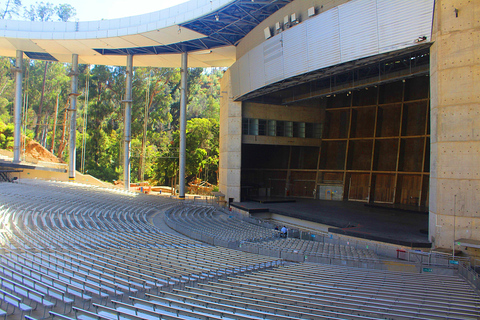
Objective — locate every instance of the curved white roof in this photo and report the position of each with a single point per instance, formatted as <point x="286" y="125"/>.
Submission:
<point x="160" y="28"/>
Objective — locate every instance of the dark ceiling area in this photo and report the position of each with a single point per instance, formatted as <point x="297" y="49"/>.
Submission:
<point x="223" y="27"/>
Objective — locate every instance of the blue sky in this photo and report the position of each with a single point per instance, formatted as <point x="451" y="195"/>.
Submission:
<point x="88" y="10"/>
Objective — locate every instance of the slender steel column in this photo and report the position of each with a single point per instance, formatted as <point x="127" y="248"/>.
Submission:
<point x="183" y="124"/>
<point x="127" y="122"/>
<point x="17" y="112"/>
<point x="73" y="119"/>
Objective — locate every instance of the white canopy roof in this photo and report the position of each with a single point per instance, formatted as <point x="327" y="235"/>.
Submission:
<point x="164" y="27"/>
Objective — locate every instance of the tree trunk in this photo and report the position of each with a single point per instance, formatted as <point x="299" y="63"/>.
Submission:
<point x="141" y="171"/>
<point x="61" y="147"/>
<point x="54" y="126"/>
<point x="39" y="116"/>
<point x="44" y="131"/>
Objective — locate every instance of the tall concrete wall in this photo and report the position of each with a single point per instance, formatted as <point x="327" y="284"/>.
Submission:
<point x="455" y="123"/>
<point x="230" y="140"/>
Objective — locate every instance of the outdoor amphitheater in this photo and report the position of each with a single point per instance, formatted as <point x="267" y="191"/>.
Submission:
<point x="73" y="251"/>
<point x="352" y="124"/>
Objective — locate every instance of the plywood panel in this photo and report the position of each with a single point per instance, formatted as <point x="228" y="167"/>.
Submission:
<point x="336" y="124"/>
<point x="411" y="155"/>
<point x="384" y="187"/>
<point x="358" y="186"/>
<point x="385" y="158"/>
<point x="331" y="177"/>
<point x="363" y="123"/>
<point x="414" y="118"/>
<point x="302" y="184"/>
<point x="332" y="156"/>
<point x="409" y="187"/>
<point x="359" y="155"/>
<point x="388" y="120"/>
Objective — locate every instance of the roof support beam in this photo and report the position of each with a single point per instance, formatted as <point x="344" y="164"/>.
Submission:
<point x="73" y="118"/>
<point x="183" y="124"/>
<point x="127" y="134"/>
<point x="18" y="106"/>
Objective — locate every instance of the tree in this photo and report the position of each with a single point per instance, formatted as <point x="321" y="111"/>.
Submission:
<point x="65" y="12"/>
<point x="40" y="108"/>
<point x="151" y="87"/>
<point x="201" y="152"/>
<point x="7" y="84"/>
<point x="44" y="105"/>
<point x="155" y="139"/>
<point x="39" y="11"/>
<point x="12" y="8"/>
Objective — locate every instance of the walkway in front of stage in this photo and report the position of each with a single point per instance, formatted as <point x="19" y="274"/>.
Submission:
<point x="398" y="226"/>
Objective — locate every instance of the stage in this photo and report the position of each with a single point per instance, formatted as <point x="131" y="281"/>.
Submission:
<point x="380" y="223"/>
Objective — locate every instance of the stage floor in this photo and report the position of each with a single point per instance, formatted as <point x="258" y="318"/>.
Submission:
<point x="391" y="225"/>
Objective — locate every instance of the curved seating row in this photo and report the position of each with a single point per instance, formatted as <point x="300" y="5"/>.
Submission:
<point x="205" y="220"/>
<point x="67" y="247"/>
<point x="73" y="252"/>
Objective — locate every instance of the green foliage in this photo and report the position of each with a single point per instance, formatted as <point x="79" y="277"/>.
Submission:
<point x="6" y="89"/>
<point x="11" y="9"/>
<point x="45" y="11"/>
<point x="65" y="12"/>
<point x="201" y="152"/>
<point x="155" y="115"/>
<point x="6" y="135"/>
<point x="205" y="94"/>
<point x="40" y="11"/>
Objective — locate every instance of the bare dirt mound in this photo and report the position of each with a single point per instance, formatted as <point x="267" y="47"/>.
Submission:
<point x="36" y="151"/>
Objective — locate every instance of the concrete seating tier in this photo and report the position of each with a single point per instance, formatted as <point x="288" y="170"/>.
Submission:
<point x="73" y="252"/>
<point x="308" y="291"/>
<point x="205" y="221"/>
<point x="69" y="250"/>
<point x="208" y="221"/>
<point x="312" y="249"/>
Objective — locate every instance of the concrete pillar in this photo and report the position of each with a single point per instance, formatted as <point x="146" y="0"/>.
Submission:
<point x="230" y="140"/>
<point x="127" y="122"/>
<point x="73" y="118"/>
<point x="183" y="124"/>
<point x="455" y="123"/>
<point x="17" y="112"/>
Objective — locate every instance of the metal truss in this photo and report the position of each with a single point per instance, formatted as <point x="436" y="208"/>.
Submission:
<point x="223" y="27"/>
